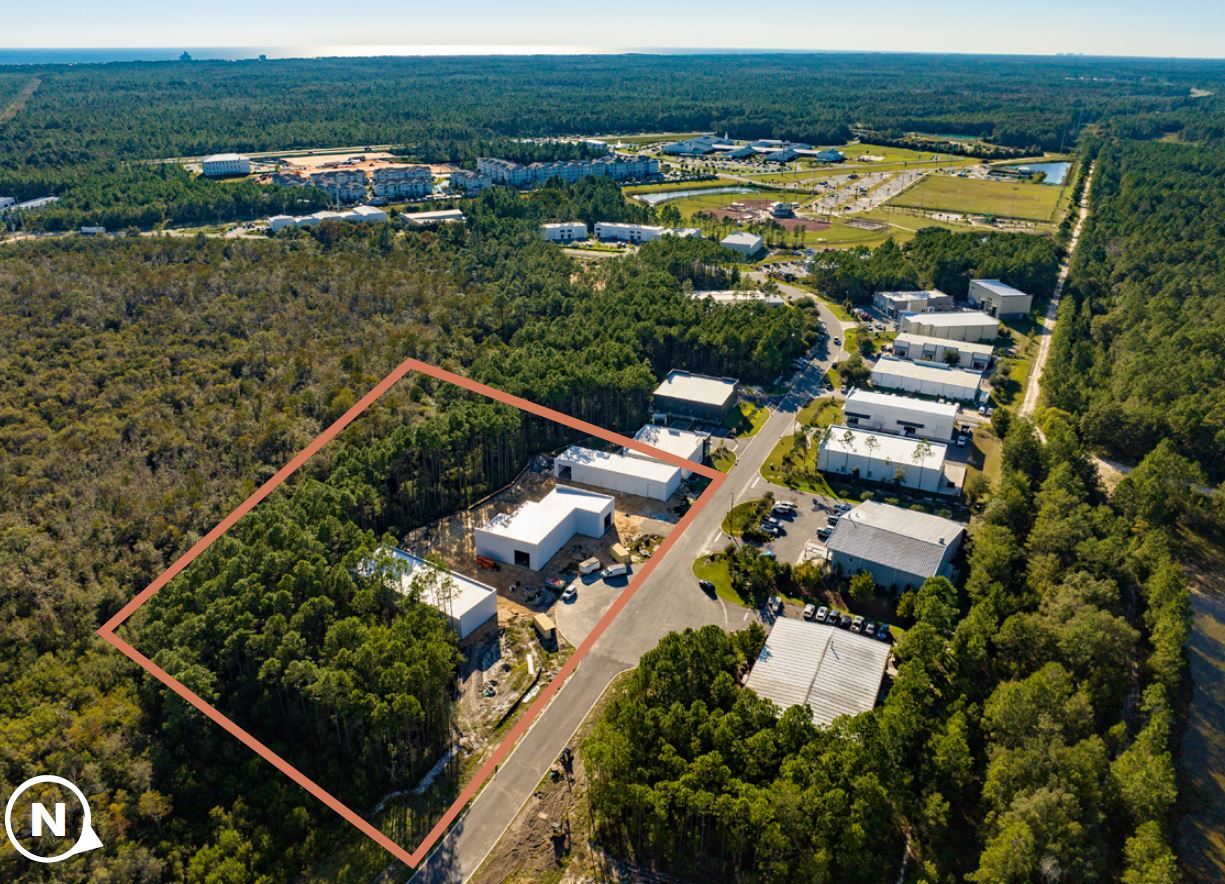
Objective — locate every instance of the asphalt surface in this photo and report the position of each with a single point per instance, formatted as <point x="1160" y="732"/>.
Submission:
<point x="669" y="600"/>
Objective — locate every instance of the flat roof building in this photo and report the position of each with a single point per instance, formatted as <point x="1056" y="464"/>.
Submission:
<point x="896" y="304"/>
<point x="926" y="378"/>
<point x="900" y="415"/>
<point x="698" y="396"/>
<point x="750" y="245"/>
<point x="440" y="216"/>
<point x="642" y="476"/>
<point x="900" y="548"/>
<point x="683" y="443"/>
<point x="219" y="165"/>
<point x="999" y="298"/>
<point x="885" y="458"/>
<point x="961" y="325"/>
<point x="831" y="671"/>
<point x="533" y="534"/>
<point x="739" y="296"/>
<point x="467" y="603"/>
<point x="564" y="231"/>
<point x="927" y="349"/>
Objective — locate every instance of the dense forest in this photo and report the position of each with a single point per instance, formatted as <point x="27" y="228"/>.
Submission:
<point x="1026" y="735"/>
<point x="150" y="383"/>
<point x="1138" y="349"/>
<point x="85" y="131"/>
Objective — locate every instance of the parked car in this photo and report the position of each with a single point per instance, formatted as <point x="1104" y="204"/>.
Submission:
<point x="769" y="520"/>
<point x="832" y="521"/>
<point x="810" y="612"/>
<point x="824" y="533"/>
<point x="707" y="587"/>
<point x="882" y="632"/>
<point x="856" y="624"/>
<point x="842" y="508"/>
<point x="869" y="628"/>
<point x="569" y="594"/>
<point x="844" y="621"/>
<point x="962" y="440"/>
<point x="832" y="617"/>
<point x="774" y="605"/>
<point x="822" y="612"/>
<point x="772" y="528"/>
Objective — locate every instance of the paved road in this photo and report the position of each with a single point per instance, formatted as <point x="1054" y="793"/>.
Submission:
<point x="669" y="600"/>
<point x="1032" y="387"/>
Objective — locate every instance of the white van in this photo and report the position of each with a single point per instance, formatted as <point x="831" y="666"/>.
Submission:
<point x="618" y="570"/>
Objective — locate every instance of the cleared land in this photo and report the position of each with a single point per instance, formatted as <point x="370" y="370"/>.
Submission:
<point x="977" y="196"/>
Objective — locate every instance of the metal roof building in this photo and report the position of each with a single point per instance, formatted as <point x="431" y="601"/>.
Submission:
<point x="999" y="298"/>
<point x="926" y="378"/>
<point x="695" y="395"/>
<point x="831" y="671"/>
<point x="746" y="244"/>
<point x="929" y="349"/>
<point x="898" y="547"/>
<point x="682" y="443"/>
<point x="642" y="476"/>
<point x="533" y="534"/>
<point x="960" y="325"/>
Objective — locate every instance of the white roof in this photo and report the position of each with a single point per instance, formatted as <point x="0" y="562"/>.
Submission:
<point x="465" y="593"/>
<point x="1000" y="288"/>
<point x="742" y="239"/>
<point x="915" y="295"/>
<point x="914" y="524"/>
<point x="640" y="467"/>
<point x="558" y="225"/>
<point x="869" y="398"/>
<point x="955" y="318"/>
<point x="960" y="346"/>
<point x="682" y="443"/>
<point x="831" y="671"/>
<point x="735" y="296"/>
<point x="223" y="158"/>
<point x="533" y="521"/>
<point x="897" y="449"/>
<point x="367" y="212"/>
<point x="697" y="387"/>
<point x="440" y="215"/>
<point x="891" y="366"/>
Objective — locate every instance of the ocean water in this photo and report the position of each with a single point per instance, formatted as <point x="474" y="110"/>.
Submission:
<point x="101" y="56"/>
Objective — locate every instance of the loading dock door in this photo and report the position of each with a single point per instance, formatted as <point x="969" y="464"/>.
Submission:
<point x="523" y="559"/>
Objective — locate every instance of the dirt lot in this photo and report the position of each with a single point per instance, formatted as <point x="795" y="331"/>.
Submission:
<point x="759" y="210"/>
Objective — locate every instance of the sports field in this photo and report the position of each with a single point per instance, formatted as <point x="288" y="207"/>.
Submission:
<point x="977" y="196"/>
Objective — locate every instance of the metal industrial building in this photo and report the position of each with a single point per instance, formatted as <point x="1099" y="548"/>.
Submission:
<point x="922" y="348"/>
<point x="617" y="231"/>
<point x="468" y="604"/>
<point x="895" y="305"/>
<point x="831" y="671"/>
<point x="900" y="548"/>
<point x="999" y="298"/>
<point x="900" y="415"/>
<point x="619" y="472"/>
<point x="961" y="325"/>
<point x="533" y="534"/>
<point x="564" y="231"/>
<point x="926" y="378"/>
<point x="883" y="457"/>
<point x="695" y="396"/>
<point x="683" y="443"/>
<point x="750" y="245"/>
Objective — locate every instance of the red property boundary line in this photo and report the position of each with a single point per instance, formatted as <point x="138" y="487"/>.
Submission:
<point x="107" y="631"/>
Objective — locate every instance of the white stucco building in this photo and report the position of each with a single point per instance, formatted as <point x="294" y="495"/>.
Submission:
<point x="618" y="472"/>
<point x="882" y="457"/>
<point x="683" y="443"/>
<point x="220" y="165"/>
<point x="564" y="231"/>
<point x="926" y="378"/>
<point x="900" y="415"/>
<point x="533" y="534"/>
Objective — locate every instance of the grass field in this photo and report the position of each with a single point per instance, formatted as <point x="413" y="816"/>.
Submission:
<point x="976" y="196"/>
<point x="747" y="419"/>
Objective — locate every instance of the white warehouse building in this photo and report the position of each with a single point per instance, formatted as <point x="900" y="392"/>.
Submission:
<point x="961" y="325"/>
<point x="637" y="233"/>
<point x="750" y="245"/>
<point x="922" y="348"/>
<point x="926" y="378"/>
<point x="885" y="458"/>
<point x="618" y="472"/>
<point x="219" y="165"/>
<point x="533" y="534"/>
<point x="900" y="415"/>
<point x="999" y="298"/>
<point x="683" y="443"/>
<point x="467" y="603"/>
<point x="564" y="231"/>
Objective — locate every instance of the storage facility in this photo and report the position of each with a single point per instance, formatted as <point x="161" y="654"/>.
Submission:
<point x="922" y="348"/>
<point x="999" y="298"/>
<point x="468" y="604"/>
<point x="221" y="165"/>
<point x="883" y="457"/>
<point x="831" y="671"/>
<point x="533" y="534"/>
<point x="619" y="472"/>
<point x="750" y="245"/>
<point x="683" y="443"/>
<point x="438" y="216"/>
<point x="895" y="305"/>
<point x="926" y="378"/>
<point x="900" y="548"/>
<point x="699" y="396"/>
<point x="961" y="325"/>
<point x="900" y="415"/>
<point x="564" y="231"/>
<point x="616" y="231"/>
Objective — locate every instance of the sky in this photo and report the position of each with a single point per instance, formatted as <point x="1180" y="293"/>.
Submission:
<point x="1182" y="28"/>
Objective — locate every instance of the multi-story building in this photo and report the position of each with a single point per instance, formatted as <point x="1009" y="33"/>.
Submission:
<point x="220" y="165"/>
<point x="895" y="305"/>
<point x="900" y="415"/>
<point x="564" y="231"/>
<point x="469" y="181"/>
<point x="403" y="182"/>
<point x="618" y="168"/>
<point x="342" y="185"/>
